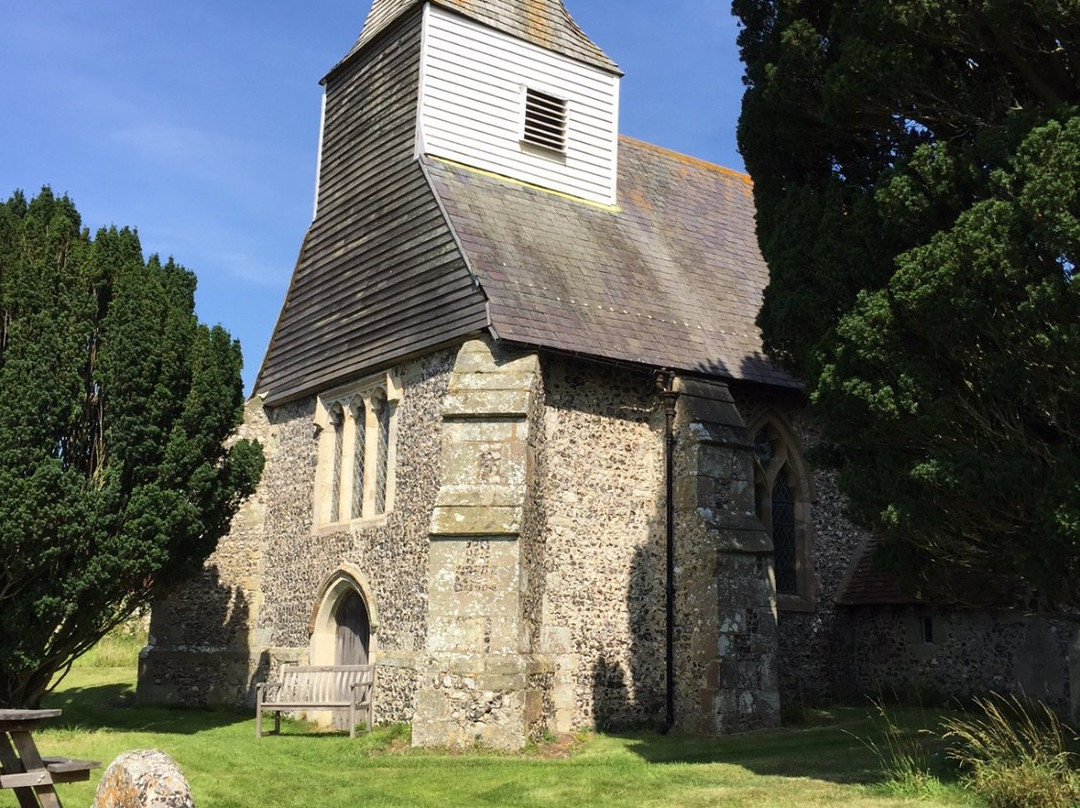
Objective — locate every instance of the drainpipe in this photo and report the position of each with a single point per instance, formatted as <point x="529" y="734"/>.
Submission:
<point x="665" y="382"/>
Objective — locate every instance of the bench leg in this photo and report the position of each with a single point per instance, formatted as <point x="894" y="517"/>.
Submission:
<point x="277" y="722"/>
<point x="352" y="719"/>
<point x="10" y="764"/>
<point x="258" y="721"/>
<point x="30" y="759"/>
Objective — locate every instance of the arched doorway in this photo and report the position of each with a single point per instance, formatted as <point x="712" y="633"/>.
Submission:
<point x="344" y="626"/>
<point x="352" y="632"/>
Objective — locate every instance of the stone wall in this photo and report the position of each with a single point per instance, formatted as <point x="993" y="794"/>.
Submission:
<point x="203" y="645"/>
<point x="726" y="629"/>
<point x="600" y="483"/>
<point x="254" y="603"/>
<point x="844" y="654"/>
<point x="479" y="678"/>
<point x="808" y="639"/>
<point x="895" y="652"/>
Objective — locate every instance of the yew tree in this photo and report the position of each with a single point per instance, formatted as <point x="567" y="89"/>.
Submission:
<point x="116" y="405"/>
<point x="916" y="166"/>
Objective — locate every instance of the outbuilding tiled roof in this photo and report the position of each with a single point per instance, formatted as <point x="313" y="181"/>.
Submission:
<point x="543" y="22"/>
<point x="672" y="277"/>
<point x="868" y="585"/>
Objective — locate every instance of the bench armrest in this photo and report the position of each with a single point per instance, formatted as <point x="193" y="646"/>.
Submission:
<point x="265" y="690"/>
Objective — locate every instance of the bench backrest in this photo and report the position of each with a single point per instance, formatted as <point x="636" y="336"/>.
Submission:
<point x="322" y="683"/>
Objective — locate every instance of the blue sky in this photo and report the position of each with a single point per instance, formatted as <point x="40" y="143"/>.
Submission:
<point x="197" y="121"/>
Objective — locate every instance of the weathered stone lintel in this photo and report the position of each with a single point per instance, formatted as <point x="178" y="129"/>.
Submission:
<point x="512" y="664"/>
<point x="747" y="539"/>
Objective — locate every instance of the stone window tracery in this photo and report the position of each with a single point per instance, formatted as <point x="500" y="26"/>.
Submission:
<point x="354" y="475"/>
<point x="782" y="502"/>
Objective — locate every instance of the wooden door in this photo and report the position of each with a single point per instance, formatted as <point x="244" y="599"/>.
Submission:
<point x="351" y="641"/>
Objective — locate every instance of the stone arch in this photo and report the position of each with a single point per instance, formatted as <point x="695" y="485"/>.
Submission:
<point x="336" y="588"/>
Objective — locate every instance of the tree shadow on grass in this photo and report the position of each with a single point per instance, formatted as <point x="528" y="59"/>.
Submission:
<point x="112" y="706"/>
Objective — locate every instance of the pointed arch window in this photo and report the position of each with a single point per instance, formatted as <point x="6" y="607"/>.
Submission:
<point x="782" y="501"/>
<point x="354" y="477"/>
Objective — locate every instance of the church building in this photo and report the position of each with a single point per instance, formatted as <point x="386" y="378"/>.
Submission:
<point x="524" y="451"/>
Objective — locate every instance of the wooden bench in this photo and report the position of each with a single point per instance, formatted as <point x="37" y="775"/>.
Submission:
<point x="317" y="687"/>
<point x="57" y="770"/>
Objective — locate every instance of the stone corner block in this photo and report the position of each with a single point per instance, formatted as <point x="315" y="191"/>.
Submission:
<point x="463" y="520"/>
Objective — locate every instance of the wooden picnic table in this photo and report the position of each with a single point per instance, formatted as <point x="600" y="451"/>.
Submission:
<point x="22" y="767"/>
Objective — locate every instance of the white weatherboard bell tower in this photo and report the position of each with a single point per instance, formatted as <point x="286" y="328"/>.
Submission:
<point x="495" y="102"/>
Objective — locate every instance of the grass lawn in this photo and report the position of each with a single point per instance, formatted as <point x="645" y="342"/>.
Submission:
<point x="821" y="764"/>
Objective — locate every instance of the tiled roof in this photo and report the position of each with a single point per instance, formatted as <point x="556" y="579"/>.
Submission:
<point x="868" y="585"/>
<point x="671" y="278"/>
<point x="543" y="22"/>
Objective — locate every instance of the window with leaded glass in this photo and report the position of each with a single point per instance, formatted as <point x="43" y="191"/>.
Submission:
<point x="354" y="472"/>
<point x="783" y="536"/>
<point x="359" y="413"/>
<point x="337" y="423"/>
<point x="781" y="503"/>
<point x="382" y="415"/>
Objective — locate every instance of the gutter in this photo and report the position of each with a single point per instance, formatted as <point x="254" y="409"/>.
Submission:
<point x="665" y="380"/>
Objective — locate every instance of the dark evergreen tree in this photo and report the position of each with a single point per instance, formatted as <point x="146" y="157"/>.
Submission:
<point x="917" y="176"/>
<point x="115" y="405"/>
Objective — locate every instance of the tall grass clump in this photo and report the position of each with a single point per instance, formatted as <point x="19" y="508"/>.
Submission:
<point x="903" y="753"/>
<point x="117" y="649"/>
<point x="1014" y="754"/>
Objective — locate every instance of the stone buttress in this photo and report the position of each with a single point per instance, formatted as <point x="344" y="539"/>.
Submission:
<point x="726" y="630"/>
<point x="479" y="682"/>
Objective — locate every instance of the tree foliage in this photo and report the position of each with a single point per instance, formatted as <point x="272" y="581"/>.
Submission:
<point x="917" y="176"/>
<point x="115" y="405"/>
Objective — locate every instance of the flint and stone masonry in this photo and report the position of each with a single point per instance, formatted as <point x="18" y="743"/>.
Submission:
<point x="517" y="585"/>
<point x="480" y="681"/>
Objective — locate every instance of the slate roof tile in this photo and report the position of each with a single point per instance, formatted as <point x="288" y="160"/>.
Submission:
<point x="672" y="277"/>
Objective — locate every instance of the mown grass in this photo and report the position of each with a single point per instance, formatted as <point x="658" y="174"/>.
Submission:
<point x="823" y="763"/>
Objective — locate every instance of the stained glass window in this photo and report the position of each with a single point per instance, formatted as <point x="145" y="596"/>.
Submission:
<point x="778" y="492"/>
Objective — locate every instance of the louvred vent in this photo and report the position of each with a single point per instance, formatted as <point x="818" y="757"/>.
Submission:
<point x="545" y="120"/>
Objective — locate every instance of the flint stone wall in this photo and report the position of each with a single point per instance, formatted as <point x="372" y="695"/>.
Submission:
<point x="599" y="484"/>
<point x="203" y="646"/>
<point x="884" y="653"/>
<point x="255" y="600"/>
<point x="808" y="658"/>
